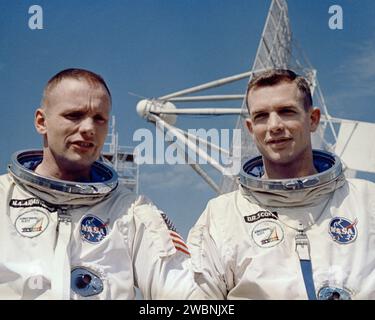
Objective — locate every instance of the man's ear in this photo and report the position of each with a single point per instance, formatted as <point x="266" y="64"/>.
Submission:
<point x="314" y="119"/>
<point x="249" y="125"/>
<point x="40" y="121"/>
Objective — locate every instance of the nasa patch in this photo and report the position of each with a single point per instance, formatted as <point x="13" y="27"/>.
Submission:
<point x="32" y="223"/>
<point x="85" y="283"/>
<point x="342" y="230"/>
<point x="93" y="229"/>
<point x="267" y="234"/>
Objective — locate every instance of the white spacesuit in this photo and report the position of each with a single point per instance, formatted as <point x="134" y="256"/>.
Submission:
<point x="94" y="240"/>
<point x="312" y="237"/>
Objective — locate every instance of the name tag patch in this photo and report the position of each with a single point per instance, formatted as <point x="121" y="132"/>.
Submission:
<point x="260" y="215"/>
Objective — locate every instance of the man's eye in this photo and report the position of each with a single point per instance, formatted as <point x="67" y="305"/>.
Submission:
<point x="287" y="111"/>
<point x="259" y="116"/>
<point x="73" y="115"/>
<point x="100" y="119"/>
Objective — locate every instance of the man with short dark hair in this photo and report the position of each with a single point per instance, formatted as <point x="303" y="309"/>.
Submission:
<point x="296" y="228"/>
<point x="68" y="228"/>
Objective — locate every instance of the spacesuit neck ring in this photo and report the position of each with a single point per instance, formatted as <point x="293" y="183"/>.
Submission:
<point x="20" y="169"/>
<point x="329" y="167"/>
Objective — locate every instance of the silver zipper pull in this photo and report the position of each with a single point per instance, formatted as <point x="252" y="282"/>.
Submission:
<point x="302" y="244"/>
<point x="63" y="215"/>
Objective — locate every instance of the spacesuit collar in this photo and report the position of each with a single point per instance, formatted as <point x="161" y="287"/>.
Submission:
<point x="55" y="191"/>
<point x="292" y="192"/>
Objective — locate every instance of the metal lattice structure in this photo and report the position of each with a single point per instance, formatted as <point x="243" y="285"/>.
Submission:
<point x="122" y="159"/>
<point x="276" y="49"/>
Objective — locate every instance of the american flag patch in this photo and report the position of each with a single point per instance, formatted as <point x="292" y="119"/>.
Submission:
<point x="177" y="240"/>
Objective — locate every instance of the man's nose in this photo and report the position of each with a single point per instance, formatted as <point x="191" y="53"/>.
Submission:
<point x="87" y="127"/>
<point x="275" y="123"/>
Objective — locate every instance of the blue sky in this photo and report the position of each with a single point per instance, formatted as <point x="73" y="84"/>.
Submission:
<point x="154" y="47"/>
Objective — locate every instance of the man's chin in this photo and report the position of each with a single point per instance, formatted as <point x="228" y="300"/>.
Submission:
<point x="79" y="162"/>
<point x="280" y="158"/>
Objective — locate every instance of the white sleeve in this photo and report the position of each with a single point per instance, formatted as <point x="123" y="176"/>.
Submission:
<point x="161" y="260"/>
<point x="206" y="259"/>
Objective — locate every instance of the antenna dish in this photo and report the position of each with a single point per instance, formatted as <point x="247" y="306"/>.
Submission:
<point x="276" y="49"/>
<point x="146" y="107"/>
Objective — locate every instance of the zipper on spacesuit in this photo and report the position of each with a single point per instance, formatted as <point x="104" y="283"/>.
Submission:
<point x="303" y="251"/>
<point x="63" y="215"/>
<point x="302" y="244"/>
<point x="60" y="283"/>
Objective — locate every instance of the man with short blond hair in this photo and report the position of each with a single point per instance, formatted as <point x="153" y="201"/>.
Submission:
<point x="70" y="230"/>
